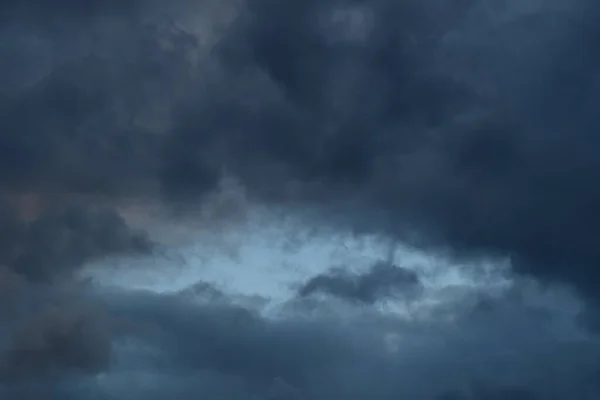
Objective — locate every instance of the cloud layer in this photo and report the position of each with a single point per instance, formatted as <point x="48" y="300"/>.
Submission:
<point x="465" y="129"/>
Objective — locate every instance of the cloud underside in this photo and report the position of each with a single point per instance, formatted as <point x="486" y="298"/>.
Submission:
<point x="461" y="128"/>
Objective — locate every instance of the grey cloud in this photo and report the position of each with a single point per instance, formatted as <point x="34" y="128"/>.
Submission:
<point x="61" y="239"/>
<point x="55" y="340"/>
<point x="425" y="121"/>
<point x="382" y="280"/>
<point x="427" y="152"/>
<point x="190" y="349"/>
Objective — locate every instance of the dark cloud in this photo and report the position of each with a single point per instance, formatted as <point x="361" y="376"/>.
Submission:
<point x="457" y="126"/>
<point x="313" y="68"/>
<point x="496" y="155"/>
<point x="190" y="349"/>
<point x="61" y="11"/>
<point x="511" y="180"/>
<point x="58" y="340"/>
<point x="62" y="239"/>
<point x="383" y="280"/>
<point x="491" y="394"/>
<point x="81" y="126"/>
<point x="10" y="283"/>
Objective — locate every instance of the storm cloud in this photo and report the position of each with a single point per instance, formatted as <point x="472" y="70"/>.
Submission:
<point x="58" y="241"/>
<point x="56" y="339"/>
<point x="381" y="281"/>
<point x="463" y="129"/>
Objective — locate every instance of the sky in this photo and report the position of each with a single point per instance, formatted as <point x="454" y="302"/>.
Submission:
<point x="300" y="200"/>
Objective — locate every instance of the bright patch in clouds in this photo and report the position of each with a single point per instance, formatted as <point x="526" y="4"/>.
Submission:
<point x="267" y="257"/>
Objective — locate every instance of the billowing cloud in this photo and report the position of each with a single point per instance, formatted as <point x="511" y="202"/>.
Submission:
<point x="60" y="240"/>
<point x="381" y="281"/>
<point x="213" y="349"/>
<point x="464" y="129"/>
<point x="58" y="339"/>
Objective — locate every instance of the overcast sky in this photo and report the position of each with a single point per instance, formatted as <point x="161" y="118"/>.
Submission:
<point x="299" y="200"/>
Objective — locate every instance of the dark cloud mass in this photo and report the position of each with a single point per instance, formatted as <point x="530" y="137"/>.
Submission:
<point x="60" y="240"/>
<point x="382" y="280"/>
<point x="460" y="127"/>
<point x="56" y="339"/>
